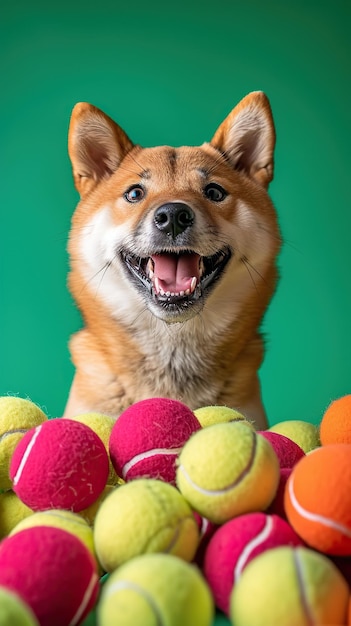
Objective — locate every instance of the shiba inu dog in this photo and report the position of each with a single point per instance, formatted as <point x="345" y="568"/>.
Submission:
<point x="173" y="263"/>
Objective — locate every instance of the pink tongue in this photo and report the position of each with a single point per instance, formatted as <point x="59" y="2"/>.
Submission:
<point x="175" y="271"/>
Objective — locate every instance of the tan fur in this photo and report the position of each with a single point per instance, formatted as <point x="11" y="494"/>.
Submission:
<point x="131" y="347"/>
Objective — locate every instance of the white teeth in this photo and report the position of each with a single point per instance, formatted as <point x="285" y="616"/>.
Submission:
<point x="151" y="274"/>
<point x="150" y="268"/>
<point x="171" y="294"/>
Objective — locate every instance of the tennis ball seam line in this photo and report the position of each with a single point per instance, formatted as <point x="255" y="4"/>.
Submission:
<point x="85" y="600"/>
<point x="146" y="455"/>
<point x="14" y="431"/>
<point x="239" y="478"/>
<point x="26" y="454"/>
<point x="61" y="514"/>
<point x="250" y="546"/>
<point x="299" y="574"/>
<point x="315" y="517"/>
<point x="123" y="585"/>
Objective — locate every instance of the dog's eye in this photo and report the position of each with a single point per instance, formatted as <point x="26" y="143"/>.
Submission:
<point x="215" y="192"/>
<point x="135" y="193"/>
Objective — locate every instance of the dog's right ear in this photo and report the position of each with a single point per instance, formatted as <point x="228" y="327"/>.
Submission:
<point x="96" y="146"/>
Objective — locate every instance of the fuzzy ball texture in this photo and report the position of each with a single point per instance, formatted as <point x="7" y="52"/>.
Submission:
<point x="144" y="515"/>
<point x="59" y="518"/>
<point x="215" y="414"/>
<point x="289" y="586"/>
<point x="89" y="514"/>
<point x="226" y="470"/>
<point x="156" y="589"/>
<point x="235" y="544"/>
<point x="277" y="506"/>
<point x="305" y="434"/>
<point x="102" y="425"/>
<point x="12" y="511"/>
<point x="207" y="530"/>
<point x="52" y="571"/>
<point x="335" y="426"/>
<point x="318" y="499"/>
<point x="61" y="464"/>
<point x="287" y="451"/>
<point x="17" y="416"/>
<point x="148" y="437"/>
<point x="14" y="612"/>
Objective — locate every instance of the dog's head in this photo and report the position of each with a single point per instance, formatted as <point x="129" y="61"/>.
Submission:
<point x="165" y="228"/>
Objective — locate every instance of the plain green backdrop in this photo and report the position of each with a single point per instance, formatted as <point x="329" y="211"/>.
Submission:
<point x="169" y="74"/>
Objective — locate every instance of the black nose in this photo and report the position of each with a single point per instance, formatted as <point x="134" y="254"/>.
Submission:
<point x="174" y="218"/>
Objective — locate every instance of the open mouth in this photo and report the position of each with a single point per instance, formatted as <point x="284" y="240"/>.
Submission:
<point x="177" y="278"/>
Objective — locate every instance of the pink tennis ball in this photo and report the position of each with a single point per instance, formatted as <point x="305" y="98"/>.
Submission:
<point x="148" y="436"/>
<point x="277" y="506"/>
<point x="235" y="544"/>
<point x="207" y="530"/>
<point x="52" y="571"/>
<point x="287" y="451"/>
<point x="61" y="464"/>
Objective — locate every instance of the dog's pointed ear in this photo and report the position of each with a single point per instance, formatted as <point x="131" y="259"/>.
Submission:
<point x="96" y="146"/>
<point x="247" y="138"/>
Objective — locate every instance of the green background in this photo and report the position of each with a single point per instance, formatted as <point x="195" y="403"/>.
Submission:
<point x="169" y="74"/>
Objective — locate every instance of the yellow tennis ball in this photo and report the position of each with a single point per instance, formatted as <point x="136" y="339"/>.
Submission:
<point x="305" y="434"/>
<point x="144" y="515"/>
<point x="226" y="470"/>
<point x="90" y="513"/>
<point x="12" y="511"/>
<point x="156" y="589"/>
<point x="17" y="415"/>
<point x="209" y="415"/>
<point x="291" y="587"/>
<point x="59" y="518"/>
<point x="102" y="425"/>
<point x="13" y="611"/>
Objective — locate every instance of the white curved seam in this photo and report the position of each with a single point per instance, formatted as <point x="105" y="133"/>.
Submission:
<point x="27" y="452"/>
<point x="250" y="546"/>
<point x="85" y="601"/>
<point x="315" y="517"/>
<point x="122" y="585"/>
<point x="206" y="492"/>
<point x="147" y="455"/>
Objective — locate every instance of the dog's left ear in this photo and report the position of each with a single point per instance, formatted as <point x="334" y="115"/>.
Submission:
<point x="247" y="138"/>
<point x="96" y="146"/>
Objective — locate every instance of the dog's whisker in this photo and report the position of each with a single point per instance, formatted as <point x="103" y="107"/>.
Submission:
<point x="249" y="268"/>
<point x="103" y="269"/>
<point x="143" y="169"/>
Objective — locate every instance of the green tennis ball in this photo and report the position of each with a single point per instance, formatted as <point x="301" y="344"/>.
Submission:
<point x="289" y="586"/>
<point x="209" y="415"/>
<point x="12" y="511"/>
<point x="13" y="611"/>
<point x="102" y="425"/>
<point x="227" y="470"/>
<point x="305" y="434"/>
<point x="142" y="516"/>
<point x="156" y="589"/>
<point x="17" y="415"/>
<point x="59" y="518"/>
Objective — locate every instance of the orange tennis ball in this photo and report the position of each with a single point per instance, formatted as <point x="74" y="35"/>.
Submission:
<point x="317" y="499"/>
<point x="335" y="426"/>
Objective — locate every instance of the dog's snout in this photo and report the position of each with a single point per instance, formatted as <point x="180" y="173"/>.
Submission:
<point x="174" y="218"/>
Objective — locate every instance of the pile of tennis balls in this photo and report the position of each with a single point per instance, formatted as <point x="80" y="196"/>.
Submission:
<point x="172" y="516"/>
